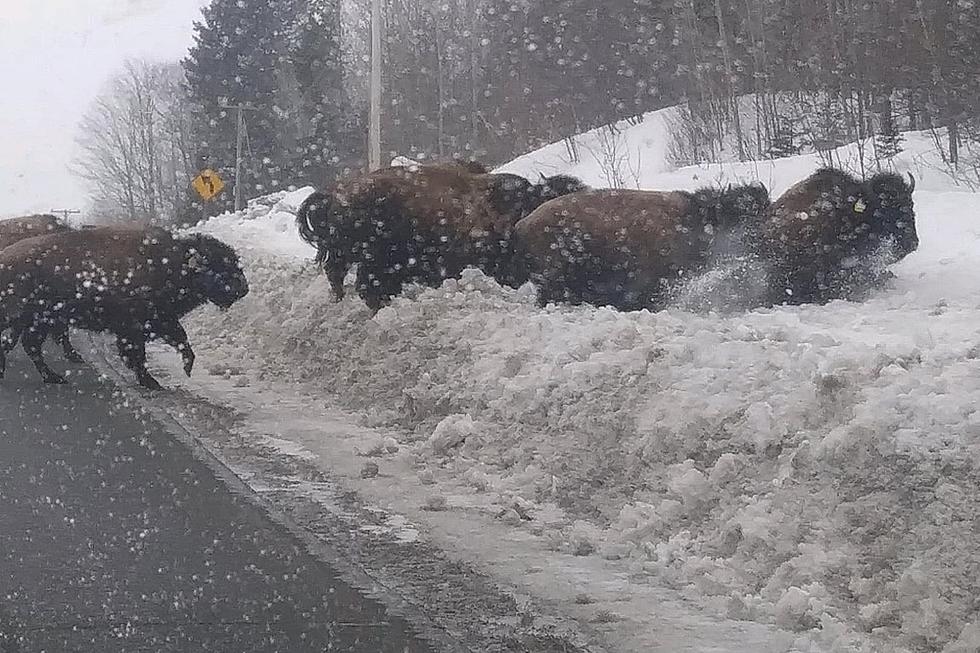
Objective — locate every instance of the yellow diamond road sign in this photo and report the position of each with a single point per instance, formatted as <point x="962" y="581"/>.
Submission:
<point x="208" y="184"/>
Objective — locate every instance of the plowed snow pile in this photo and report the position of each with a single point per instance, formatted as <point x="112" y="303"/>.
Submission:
<point x="813" y="467"/>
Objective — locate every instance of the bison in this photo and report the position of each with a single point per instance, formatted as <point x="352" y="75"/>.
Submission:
<point x="469" y="165"/>
<point x="421" y="224"/>
<point x="629" y="248"/>
<point x="16" y="229"/>
<point x="831" y="236"/>
<point x="134" y="282"/>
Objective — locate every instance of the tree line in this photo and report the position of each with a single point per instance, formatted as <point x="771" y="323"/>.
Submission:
<point x="492" y="79"/>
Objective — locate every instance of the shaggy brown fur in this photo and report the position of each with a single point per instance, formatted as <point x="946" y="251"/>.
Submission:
<point x="419" y="223"/>
<point x="627" y="248"/>
<point x="831" y="235"/>
<point x="134" y="282"/>
<point x="15" y="229"/>
<point x="474" y="167"/>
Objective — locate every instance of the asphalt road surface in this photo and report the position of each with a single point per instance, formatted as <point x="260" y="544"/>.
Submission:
<point x="113" y="537"/>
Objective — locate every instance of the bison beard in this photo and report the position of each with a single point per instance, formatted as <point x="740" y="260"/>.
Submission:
<point x="831" y="236"/>
<point x="135" y="283"/>
<point x="627" y="248"/>
<point x="421" y="224"/>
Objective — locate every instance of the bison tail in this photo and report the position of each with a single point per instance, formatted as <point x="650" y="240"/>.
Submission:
<point x="312" y="218"/>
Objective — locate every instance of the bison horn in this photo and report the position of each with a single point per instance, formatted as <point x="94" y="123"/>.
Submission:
<point x="911" y="181"/>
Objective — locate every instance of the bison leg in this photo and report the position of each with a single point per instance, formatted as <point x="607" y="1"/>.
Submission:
<point x="172" y="333"/>
<point x="545" y="295"/>
<point x="9" y="339"/>
<point x="61" y="335"/>
<point x="132" y="349"/>
<point x="546" y="290"/>
<point x="32" y="340"/>
<point x="377" y="288"/>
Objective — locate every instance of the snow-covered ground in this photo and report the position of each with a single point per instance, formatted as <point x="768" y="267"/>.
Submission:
<point x="812" y="469"/>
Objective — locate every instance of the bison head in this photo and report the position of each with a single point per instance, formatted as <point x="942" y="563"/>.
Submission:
<point x="215" y="270"/>
<point x="747" y="202"/>
<point x="549" y="188"/>
<point x="472" y="166"/>
<point x="516" y="197"/>
<point x="511" y="195"/>
<point x="732" y="208"/>
<point x="887" y="216"/>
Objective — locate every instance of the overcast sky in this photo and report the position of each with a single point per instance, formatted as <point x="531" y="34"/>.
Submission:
<point x="55" y="55"/>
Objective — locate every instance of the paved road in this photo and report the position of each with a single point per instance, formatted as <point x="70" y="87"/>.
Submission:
<point x="114" y="538"/>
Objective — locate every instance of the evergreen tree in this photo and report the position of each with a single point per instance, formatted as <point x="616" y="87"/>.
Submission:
<point x="888" y="139"/>
<point x="328" y="134"/>
<point x="237" y="59"/>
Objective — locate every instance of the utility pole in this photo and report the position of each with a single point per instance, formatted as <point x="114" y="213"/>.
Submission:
<point x="65" y="213"/>
<point x="374" y="123"/>
<point x="239" y="137"/>
<point x="240" y="110"/>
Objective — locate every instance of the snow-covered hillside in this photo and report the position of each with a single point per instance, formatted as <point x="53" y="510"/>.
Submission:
<point x="812" y="467"/>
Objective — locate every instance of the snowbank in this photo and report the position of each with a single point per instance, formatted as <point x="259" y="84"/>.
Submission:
<point x="811" y="467"/>
<point x="637" y="153"/>
<point x="266" y="227"/>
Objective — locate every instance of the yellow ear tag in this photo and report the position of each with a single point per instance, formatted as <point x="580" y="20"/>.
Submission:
<point x="860" y="206"/>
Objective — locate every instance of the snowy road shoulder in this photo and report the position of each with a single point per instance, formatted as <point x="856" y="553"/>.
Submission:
<point x="555" y="592"/>
<point x="374" y="549"/>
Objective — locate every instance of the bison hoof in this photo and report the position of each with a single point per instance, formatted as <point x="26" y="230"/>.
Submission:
<point x="374" y="304"/>
<point x="150" y="383"/>
<point x="74" y="357"/>
<point x="54" y="378"/>
<point x="188" y="366"/>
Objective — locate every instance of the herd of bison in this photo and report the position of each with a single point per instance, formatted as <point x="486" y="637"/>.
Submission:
<point x="831" y="236"/>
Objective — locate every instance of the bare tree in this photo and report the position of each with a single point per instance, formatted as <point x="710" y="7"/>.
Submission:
<point x="135" y="145"/>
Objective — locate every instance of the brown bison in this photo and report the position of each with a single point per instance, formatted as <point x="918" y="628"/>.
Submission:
<point x="629" y="248"/>
<point x="469" y="165"/>
<point x="473" y="166"/>
<point x="134" y="282"/>
<point x="16" y="229"/>
<point x="831" y="236"/>
<point x="420" y="224"/>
